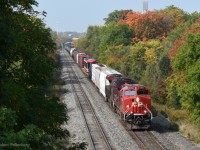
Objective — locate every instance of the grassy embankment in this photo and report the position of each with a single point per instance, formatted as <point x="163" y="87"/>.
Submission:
<point x="179" y="121"/>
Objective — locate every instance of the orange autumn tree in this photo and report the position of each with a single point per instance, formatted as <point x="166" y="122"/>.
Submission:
<point x="131" y="18"/>
<point x="193" y="29"/>
<point x="149" y="25"/>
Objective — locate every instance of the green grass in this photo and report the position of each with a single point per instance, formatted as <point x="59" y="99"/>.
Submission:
<point x="179" y="121"/>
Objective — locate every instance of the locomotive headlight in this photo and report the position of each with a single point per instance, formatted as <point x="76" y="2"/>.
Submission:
<point x="127" y="106"/>
<point x="137" y="99"/>
<point x="145" y="111"/>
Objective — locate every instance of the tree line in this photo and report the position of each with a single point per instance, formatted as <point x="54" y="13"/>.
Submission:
<point x="159" y="49"/>
<point x="30" y="118"/>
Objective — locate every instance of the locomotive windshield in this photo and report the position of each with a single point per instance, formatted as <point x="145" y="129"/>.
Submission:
<point x="142" y="92"/>
<point x="129" y="93"/>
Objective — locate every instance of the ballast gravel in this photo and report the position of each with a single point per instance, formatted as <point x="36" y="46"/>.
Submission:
<point x="118" y="137"/>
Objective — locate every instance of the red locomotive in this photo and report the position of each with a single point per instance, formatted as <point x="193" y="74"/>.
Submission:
<point x="131" y="100"/>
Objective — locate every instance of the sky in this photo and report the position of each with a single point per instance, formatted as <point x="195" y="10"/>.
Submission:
<point x="77" y="15"/>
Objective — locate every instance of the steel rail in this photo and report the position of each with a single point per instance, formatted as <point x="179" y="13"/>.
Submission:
<point x="148" y="140"/>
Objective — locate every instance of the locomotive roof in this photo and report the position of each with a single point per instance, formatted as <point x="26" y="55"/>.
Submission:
<point x="139" y="86"/>
<point x="123" y="79"/>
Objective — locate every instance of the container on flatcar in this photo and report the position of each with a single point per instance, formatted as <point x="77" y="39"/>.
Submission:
<point x="81" y="57"/>
<point x="88" y="66"/>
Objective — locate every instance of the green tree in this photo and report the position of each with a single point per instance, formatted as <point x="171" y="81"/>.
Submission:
<point x="93" y="39"/>
<point x="175" y="16"/>
<point x="115" y="16"/>
<point x="114" y="35"/>
<point x="187" y="62"/>
<point x="29" y="115"/>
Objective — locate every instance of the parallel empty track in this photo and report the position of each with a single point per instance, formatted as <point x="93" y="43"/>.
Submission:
<point x="98" y="139"/>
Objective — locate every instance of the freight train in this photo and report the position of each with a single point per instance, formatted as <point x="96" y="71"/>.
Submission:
<point x="129" y="99"/>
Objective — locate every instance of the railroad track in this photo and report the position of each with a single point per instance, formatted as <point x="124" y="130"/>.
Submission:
<point x="146" y="140"/>
<point x="98" y="140"/>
